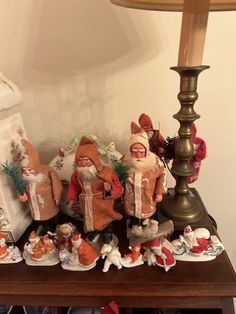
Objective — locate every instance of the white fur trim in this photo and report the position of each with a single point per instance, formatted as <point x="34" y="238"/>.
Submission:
<point x="137" y="194"/>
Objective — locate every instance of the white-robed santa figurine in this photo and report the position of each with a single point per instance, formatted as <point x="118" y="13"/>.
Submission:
<point x="43" y="188"/>
<point x="146" y="181"/>
<point x="96" y="186"/>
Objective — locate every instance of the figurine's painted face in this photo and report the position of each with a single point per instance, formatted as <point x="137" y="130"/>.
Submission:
<point x="84" y="162"/>
<point x="28" y="171"/>
<point x="149" y="130"/>
<point x="138" y="151"/>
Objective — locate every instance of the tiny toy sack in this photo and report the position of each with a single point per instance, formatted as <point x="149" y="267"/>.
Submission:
<point x="75" y="253"/>
<point x="40" y="251"/>
<point x="197" y="245"/>
<point x="8" y="254"/>
<point x="63" y="163"/>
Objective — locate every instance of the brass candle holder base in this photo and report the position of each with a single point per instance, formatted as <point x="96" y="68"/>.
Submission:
<point x="180" y="205"/>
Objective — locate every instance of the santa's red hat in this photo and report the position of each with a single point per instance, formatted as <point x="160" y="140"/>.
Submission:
<point x="88" y="149"/>
<point x="138" y="135"/>
<point x="145" y="121"/>
<point x="31" y="156"/>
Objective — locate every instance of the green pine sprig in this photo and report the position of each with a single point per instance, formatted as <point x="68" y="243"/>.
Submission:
<point x="12" y="171"/>
<point x="121" y="171"/>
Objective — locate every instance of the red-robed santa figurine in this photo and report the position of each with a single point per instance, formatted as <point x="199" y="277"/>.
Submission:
<point x="96" y="187"/>
<point x="200" y="149"/>
<point x="156" y="140"/>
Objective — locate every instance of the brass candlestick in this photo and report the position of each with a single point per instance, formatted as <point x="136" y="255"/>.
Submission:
<point x="183" y="207"/>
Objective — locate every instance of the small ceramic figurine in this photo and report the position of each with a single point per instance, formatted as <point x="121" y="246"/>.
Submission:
<point x="146" y="180"/>
<point x="156" y="140"/>
<point x="43" y="188"/>
<point x="112" y="255"/>
<point x="81" y="257"/>
<point x="64" y="234"/>
<point x="156" y="253"/>
<point x="8" y="254"/>
<point x="197" y="245"/>
<point x="96" y="187"/>
<point x="40" y="251"/>
<point x="199" y="154"/>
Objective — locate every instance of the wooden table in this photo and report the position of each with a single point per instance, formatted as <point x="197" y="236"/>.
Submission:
<point x="202" y="285"/>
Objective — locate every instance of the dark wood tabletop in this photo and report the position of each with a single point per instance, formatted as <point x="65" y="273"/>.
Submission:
<point x="189" y="284"/>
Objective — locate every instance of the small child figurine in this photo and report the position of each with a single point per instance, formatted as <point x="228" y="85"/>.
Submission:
<point x="8" y="254"/>
<point x="40" y="251"/>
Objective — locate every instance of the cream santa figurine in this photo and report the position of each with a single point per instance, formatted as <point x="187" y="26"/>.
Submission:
<point x="43" y="188"/>
<point x="96" y="187"/>
<point x="146" y="179"/>
<point x="8" y="254"/>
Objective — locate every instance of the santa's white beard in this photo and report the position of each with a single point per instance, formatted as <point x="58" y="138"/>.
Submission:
<point x="150" y="134"/>
<point x="87" y="174"/>
<point x="33" y="178"/>
<point x="142" y="164"/>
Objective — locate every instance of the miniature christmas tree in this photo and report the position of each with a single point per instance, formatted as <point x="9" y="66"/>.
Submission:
<point x="12" y="171"/>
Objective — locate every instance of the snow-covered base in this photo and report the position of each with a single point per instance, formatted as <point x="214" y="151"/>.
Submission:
<point x="13" y="256"/>
<point x="79" y="267"/>
<point x="50" y="259"/>
<point x="193" y="258"/>
<point x="126" y="262"/>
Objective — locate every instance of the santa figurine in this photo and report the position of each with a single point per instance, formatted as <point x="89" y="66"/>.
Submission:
<point x="87" y="255"/>
<point x="8" y="254"/>
<point x="196" y="246"/>
<point x="200" y="150"/>
<point x="3" y="246"/>
<point x="146" y="178"/>
<point x="157" y="254"/>
<point x="96" y="187"/>
<point x="40" y="251"/>
<point x="156" y="140"/>
<point x="43" y="188"/>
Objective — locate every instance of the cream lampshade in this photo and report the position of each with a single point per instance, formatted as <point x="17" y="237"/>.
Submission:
<point x="174" y="5"/>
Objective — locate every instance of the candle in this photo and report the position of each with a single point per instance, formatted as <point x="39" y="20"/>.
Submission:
<point x="193" y="32"/>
